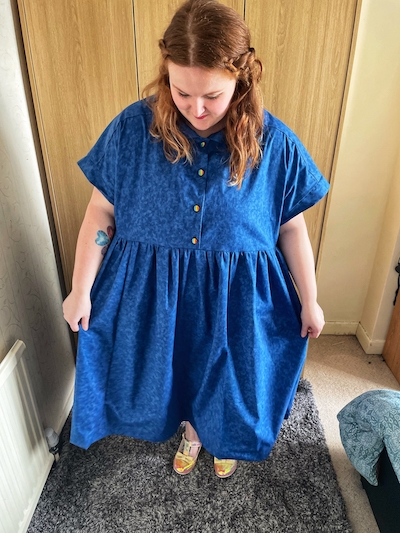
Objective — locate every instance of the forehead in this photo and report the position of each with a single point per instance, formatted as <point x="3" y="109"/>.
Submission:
<point x="197" y="80"/>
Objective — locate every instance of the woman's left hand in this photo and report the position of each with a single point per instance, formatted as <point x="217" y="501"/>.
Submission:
<point x="312" y="320"/>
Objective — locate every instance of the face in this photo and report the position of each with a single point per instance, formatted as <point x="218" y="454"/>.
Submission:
<point x="202" y="96"/>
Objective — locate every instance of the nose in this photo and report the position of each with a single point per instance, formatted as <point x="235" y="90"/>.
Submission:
<point x="198" y="107"/>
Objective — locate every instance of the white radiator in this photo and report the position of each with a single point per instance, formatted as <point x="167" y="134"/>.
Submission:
<point x="25" y="460"/>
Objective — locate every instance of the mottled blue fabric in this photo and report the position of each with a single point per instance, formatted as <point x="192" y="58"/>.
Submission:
<point x="195" y="316"/>
<point x="367" y="424"/>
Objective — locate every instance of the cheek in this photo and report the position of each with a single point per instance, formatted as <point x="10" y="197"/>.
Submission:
<point x="177" y="100"/>
<point x="174" y="99"/>
<point x="222" y="107"/>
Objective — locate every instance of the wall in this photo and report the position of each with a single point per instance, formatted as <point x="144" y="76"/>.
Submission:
<point x="378" y="306"/>
<point x="360" y="248"/>
<point x="30" y="295"/>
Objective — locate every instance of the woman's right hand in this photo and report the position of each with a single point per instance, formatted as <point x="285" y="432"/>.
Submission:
<point x="76" y="309"/>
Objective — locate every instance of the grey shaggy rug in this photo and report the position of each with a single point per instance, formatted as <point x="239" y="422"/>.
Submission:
<point x="125" y="485"/>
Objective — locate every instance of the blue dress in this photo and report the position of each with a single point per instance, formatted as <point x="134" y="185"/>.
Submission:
<point x="194" y="313"/>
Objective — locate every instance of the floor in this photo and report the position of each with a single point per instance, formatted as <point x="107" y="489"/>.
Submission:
<point x="339" y="370"/>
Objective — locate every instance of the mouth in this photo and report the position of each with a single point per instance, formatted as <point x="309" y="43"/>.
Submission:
<point x="201" y="118"/>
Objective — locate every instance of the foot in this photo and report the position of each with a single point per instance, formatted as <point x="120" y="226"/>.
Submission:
<point x="191" y="433"/>
<point x="224" y="467"/>
<point x="186" y="456"/>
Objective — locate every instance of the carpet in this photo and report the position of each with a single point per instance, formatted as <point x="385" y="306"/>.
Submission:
<point x="125" y="485"/>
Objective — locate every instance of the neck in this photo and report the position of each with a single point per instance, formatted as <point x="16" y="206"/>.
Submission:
<point x="206" y="133"/>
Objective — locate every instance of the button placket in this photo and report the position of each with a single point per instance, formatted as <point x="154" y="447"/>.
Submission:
<point x="201" y="165"/>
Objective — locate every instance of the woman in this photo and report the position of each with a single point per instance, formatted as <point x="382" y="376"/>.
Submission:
<point x="193" y="315"/>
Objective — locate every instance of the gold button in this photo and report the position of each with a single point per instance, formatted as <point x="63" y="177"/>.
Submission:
<point x="194" y="240"/>
<point x="196" y="208"/>
<point x="202" y="144"/>
<point x="201" y="172"/>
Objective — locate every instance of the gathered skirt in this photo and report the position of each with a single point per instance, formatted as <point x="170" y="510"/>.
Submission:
<point x="212" y="338"/>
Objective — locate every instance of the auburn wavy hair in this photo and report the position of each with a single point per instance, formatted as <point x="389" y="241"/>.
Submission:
<point x="210" y="35"/>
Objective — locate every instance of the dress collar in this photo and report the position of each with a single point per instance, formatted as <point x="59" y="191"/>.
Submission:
<point x="217" y="137"/>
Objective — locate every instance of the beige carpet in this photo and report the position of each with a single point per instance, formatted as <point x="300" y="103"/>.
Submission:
<point x="339" y="370"/>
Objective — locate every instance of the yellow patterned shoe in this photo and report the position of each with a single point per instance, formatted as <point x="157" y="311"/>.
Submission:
<point x="186" y="456"/>
<point x="224" y="467"/>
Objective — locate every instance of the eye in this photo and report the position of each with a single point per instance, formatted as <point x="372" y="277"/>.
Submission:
<point x="212" y="97"/>
<point x="183" y="95"/>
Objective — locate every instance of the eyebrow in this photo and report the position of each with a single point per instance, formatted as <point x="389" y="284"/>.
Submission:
<point x="208" y="94"/>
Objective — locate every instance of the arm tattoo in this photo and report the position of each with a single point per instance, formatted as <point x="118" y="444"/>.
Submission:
<point x="104" y="239"/>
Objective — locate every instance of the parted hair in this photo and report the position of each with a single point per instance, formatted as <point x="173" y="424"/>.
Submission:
<point x="210" y="35"/>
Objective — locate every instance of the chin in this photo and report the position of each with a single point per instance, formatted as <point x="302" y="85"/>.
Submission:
<point x="204" y="124"/>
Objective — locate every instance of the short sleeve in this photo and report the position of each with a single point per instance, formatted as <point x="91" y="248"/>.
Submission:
<point x="99" y="165"/>
<point x="305" y="185"/>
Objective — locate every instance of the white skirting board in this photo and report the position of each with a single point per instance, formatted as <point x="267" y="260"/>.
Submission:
<point x="370" y="346"/>
<point x="25" y="461"/>
<point x="340" y="328"/>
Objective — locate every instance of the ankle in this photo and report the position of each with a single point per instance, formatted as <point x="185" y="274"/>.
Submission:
<point x="190" y="433"/>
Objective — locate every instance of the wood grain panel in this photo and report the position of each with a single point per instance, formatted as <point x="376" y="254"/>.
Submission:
<point x="82" y="66"/>
<point x="391" y="350"/>
<point x="305" y="48"/>
<point x="151" y="20"/>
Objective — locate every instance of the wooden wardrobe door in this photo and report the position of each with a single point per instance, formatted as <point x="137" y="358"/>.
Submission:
<point x="151" y="20"/>
<point x="305" y="48"/>
<point x="82" y="67"/>
<point x="391" y="350"/>
<point x="83" y="57"/>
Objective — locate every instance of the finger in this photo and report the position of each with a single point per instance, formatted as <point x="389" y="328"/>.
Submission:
<point x="85" y="323"/>
<point x="314" y="334"/>
<point x="74" y="326"/>
<point x="304" y="331"/>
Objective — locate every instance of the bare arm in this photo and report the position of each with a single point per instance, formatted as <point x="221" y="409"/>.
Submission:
<point x="296" y="248"/>
<point x="94" y="236"/>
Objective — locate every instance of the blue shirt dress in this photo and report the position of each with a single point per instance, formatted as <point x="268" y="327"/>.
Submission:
<point x="194" y="313"/>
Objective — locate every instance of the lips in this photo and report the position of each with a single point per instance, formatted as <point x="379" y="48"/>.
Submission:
<point x="201" y="118"/>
